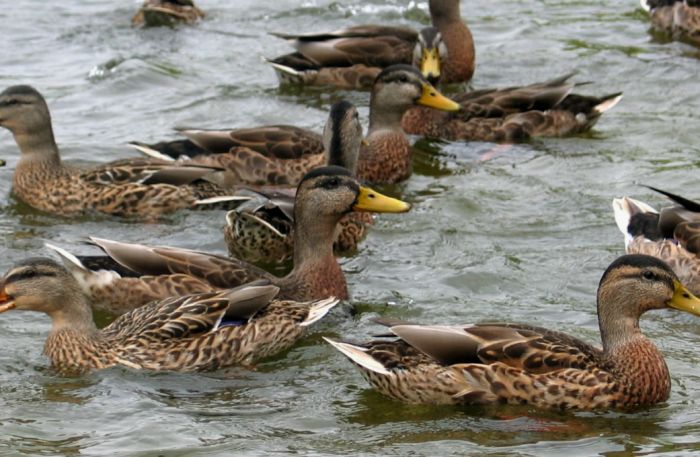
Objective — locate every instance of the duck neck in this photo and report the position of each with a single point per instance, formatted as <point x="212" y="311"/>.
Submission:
<point x="384" y="116"/>
<point x="632" y="358"/>
<point x="313" y="240"/>
<point x="75" y="315"/>
<point x="38" y="146"/>
<point x="444" y="13"/>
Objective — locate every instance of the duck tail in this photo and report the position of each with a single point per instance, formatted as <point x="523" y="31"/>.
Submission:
<point x="646" y="6"/>
<point x="224" y="202"/>
<point x="607" y="102"/>
<point x="286" y="74"/>
<point x="149" y="151"/>
<point x="319" y="309"/>
<point x="69" y="260"/>
<point x="625" y="209"/>
<point x="359" y="356"/>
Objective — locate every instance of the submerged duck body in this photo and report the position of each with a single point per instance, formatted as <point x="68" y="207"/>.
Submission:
<point x="353" y="57"/>
<point x="324" y="196"/>
<point x="199" y="332"/>
<point x="129" y="188"/>
<point x="523" y="364"/>
<point x="678" y="18"/>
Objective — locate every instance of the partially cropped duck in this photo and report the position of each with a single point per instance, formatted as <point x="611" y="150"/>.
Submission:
<point x="279" y="155"/>
<point x="353" y="57"/>
<point x="324" y="196"/>
<point x="547" y="109"/>
<point x="672" y="235"/>
<point x="678" y="18"/>
<point x="154" y="13"/>
<point x="131" y="188"/>
<point x="261" y="229"/>
<point x="197" y="332"/>
<point x="523" y="364"/>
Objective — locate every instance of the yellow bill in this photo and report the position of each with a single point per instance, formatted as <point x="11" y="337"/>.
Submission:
<point x="6" y="302"/>
<point x="683" y="300"/>
<point x="430" y="64"/>
<point x="434" y="99"/>
<point x="373" y="201"/>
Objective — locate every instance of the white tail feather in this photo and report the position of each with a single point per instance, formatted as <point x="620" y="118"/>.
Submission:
<point x="151" y="152"/>
<point x="607" y="104"/>
<point x="359" y="356"/>
<point x="624" y="208"/>
<point x="318" y="310"/>
<point x="645" y="5"/>
<point x="69" y="260"/>
<point x="226" y="198"/>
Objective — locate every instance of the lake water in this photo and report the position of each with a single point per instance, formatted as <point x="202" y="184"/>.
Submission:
<point x="523" y="236"/>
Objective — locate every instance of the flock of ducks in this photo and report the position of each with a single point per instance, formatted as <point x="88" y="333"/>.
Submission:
<point x="294" y="194"/>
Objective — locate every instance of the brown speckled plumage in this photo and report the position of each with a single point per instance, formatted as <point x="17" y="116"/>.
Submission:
<point x="673" y="235"/>
<point x="323" y="197"/>
<point x="678" y="18"/>
<point x="522" y="364"/>
<point x="351" y="58"/>
<point x="130" y="188"/>
<point x="546" y="109"/>
<point x="154" y="13"/>
<point x="197" y="332"/>
<point x="262" y="229"/>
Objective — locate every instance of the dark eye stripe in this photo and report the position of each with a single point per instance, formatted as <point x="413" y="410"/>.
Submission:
<point x="27" y="274"/>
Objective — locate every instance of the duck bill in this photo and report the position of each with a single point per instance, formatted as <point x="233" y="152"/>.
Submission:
<point x="430" y="65"/>
<point x="373" y="201"/>
<point x="434" y="99"/>
<point x="683" y="300"/>
<point x="6" y="302"/>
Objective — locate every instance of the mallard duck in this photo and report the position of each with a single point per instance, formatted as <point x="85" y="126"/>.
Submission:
<point x="261" y="229"/>
<point x="155" y="13"/>
<point x="523" y="364"/>
<point x="672" y="235"/>
<point x="323" y="197"/>
<point x="131" y="188"/>
<point x="679" y="18"/>
<point x="279" y="155"/>
<point x="353" y="57"/>
<point x="546" y="109"/>
<point x="197" y="332"/>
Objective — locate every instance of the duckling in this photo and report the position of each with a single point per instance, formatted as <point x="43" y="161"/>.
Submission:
<point x="678" y="18"/>
<point x="277" y="155"/>
<point x="547" y="109"/>
<point x="260" y="230"/>
<point x="128" y="188"/>
<point x="155" y="13"/>
<point x="671" y="235"/>
<point x="524" y="364"/>
<point x="324" y="196"/>
<point x="199" y="332"/>
<point x="351" y="58"/>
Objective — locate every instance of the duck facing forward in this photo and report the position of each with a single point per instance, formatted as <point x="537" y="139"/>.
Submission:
<point x="352" y="57"/>
<point x="324" y="196"/>
<point x="523" y="364"/>
<point x="198" y="332"/>
<point x="130" y="188"/>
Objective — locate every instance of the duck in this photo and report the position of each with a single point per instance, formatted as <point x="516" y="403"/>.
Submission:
<point x="136" y="188"/>
<point x="260" y="230"/>
<point x="187" y="333"/>
<point x="670" y="234"/>
<point x="279" y="155"/>
<point x="678" y="18"/>
<point x="154" y="13"/>
<point x="324" y="196"/>
<point x="352" y="57"/>
<point x="495" y="363"/>
<point x="545" y="109"/>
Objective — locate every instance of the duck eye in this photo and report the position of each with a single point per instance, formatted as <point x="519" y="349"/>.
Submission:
<point x="403" y="79"/>
<point x="649" y="275"/>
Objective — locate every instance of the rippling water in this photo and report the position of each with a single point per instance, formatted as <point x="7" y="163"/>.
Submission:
<point x="523" y="236"/>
